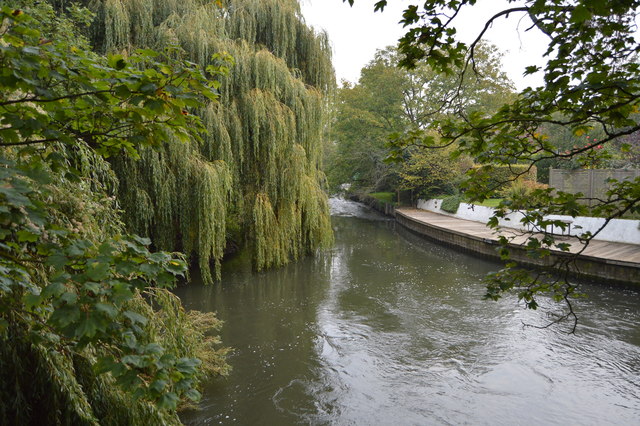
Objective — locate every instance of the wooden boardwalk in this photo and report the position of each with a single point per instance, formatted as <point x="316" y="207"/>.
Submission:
<point x="477" y="237"/>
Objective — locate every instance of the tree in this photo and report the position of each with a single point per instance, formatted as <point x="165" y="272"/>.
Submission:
<point x="389" y="100"/>
<point x="255" y="179"/>
<point x="89" y="333"/>
<point x="591" y="84"/>
<point x="365" y="114"/>
<point x="431" y="96"/>
<point x="429" y="174"/>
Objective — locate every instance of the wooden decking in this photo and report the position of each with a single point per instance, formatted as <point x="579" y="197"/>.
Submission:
<point x="600" y="259"/>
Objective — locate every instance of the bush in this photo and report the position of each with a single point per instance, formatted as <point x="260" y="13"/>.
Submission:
<point x="451" y="204"/>
<point x="499" y="178"/>
<point x="385" y="197"/>
<point x="428" y="173"/>
<point x="520" y="189"/>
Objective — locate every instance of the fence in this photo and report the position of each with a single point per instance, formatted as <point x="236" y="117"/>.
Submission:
<point x="593" y="183"/>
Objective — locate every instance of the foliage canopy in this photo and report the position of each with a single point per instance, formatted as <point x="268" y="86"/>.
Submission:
<point x="89" y="333"/>
<point x="389" y="100"/>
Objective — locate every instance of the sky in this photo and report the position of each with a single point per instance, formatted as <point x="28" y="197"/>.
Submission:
<point x="357" y="32"/>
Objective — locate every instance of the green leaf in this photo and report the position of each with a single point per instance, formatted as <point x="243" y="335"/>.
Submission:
<point x="31" y="300"/>
<point x="54" y="289"/>
<point x="57" y="260"/>
<point x="27" y="236"/>
<point x="142" y="240"/>
<point x="122" y="91"/>
<point x="168" y="401"/>
<point x="69" y="298"/>
<point x="98" y="271"/>
<point x="155" y="105"/>
<point x="121" y="292"/>
<point x="580" y="14"/>
<point x="188" y="365"/>
<point x="93" y="287"/>
<point x="108" y="364"/>
<point x="158" y="385"/>
<point x="148" y="88"/>
<point x="154" y="348"/>
<point x="117" y="62"/>
<point x="135" y="317"/>
<point x="193" y="395"/>
<point x="86" y="328"/>
<point x="134" y="360"/>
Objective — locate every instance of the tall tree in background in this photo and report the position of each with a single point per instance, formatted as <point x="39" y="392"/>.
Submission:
<point x="365" y="114"/>
<point x="390" y="100"/>
<point x="591" y="84"/>
<point x="430" y="96"/>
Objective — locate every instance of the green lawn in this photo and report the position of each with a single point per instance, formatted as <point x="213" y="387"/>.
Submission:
<point x="491" y="202"/>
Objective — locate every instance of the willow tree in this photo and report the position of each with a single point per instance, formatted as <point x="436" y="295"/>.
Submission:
<point x="257" y="171"/>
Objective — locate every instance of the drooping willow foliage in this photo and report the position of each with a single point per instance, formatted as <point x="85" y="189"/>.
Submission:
<point x="45" y="384"/>
<point x="259" y="166"/>
<point x="42" y="385"/>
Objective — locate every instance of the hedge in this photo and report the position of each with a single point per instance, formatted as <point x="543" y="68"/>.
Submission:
<point x="451" y="204"/>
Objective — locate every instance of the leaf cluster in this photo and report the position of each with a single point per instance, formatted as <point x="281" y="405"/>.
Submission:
<point x="65" y="287"/>
<point x="58" y="92"/>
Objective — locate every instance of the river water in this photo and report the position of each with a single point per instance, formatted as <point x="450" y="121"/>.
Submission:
<point x="389" y="329"/>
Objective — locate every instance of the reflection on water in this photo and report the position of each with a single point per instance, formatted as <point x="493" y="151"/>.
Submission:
<point x="389" y="329"/>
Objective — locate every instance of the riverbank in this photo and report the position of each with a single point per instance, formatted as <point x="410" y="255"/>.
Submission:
<point x="617" y="262"/>
<point x="385" y="208"/>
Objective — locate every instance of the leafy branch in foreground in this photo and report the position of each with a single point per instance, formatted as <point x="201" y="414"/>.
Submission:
<point x="591" y="84"/>
<point x="58" y="92"/>
<point x="82" y="306"/>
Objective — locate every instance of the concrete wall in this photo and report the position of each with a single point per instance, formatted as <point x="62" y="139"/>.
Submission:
<point x="617" y="230"/>
<point x="586" y="266"/>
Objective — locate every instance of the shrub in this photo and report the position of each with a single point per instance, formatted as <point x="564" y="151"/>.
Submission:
<point x="498" y="178"/>
<point x="451" y="204"/>
<point x="385" y="197"/>
<point x="522" y="189"/>
<point x="428" y="173"/>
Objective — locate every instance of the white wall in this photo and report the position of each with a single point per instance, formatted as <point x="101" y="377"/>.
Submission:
<point x="617" y="230"/>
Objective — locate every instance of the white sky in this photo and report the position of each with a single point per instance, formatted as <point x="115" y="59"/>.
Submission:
<point x="357" y="32"/>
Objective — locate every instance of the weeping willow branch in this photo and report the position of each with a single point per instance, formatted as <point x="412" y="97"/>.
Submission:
<point x="258" y="166"/>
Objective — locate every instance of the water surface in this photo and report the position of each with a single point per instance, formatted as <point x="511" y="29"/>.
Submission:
<point x="389" y="329"/>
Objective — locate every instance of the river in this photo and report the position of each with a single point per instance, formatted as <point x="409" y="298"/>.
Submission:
<point x="389" y="329"/>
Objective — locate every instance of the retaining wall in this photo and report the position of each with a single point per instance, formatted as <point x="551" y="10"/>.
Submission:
<point x="617" y="230"/>
<point x="584" y="266"/>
